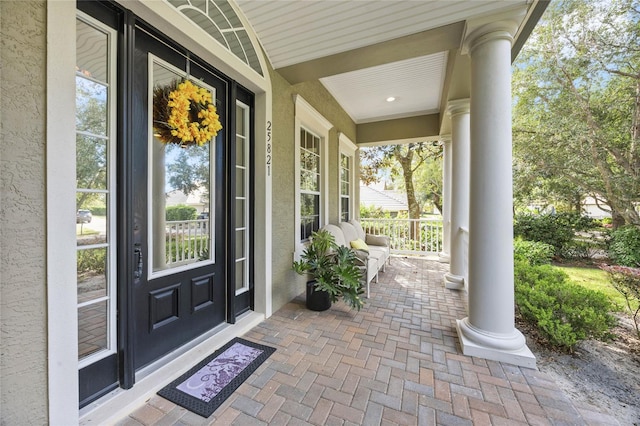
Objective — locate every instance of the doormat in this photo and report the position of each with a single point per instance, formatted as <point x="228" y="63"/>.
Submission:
<point x="207" y="385"/>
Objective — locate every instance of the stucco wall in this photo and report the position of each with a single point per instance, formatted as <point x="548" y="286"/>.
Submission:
<point x="286" y="284"/>
<point x="23" y="372"/>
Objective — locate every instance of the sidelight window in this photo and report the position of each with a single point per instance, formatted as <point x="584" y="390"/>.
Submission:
<point x="95" y="185"/>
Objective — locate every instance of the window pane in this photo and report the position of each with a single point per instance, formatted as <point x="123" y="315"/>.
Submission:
<point x="344" y="201"/>
<point x="91" y="51"/>
<point x="180" y="181"/>
<point x="240" y="142"/>
<point x="91" y="106"/>
<point x="240" y="216"/>
<point x="240" y="275"/>
<point x="240" y="120"/>
<point x="345" y="188"/>
<point x="92" y="328"/>
<point x="240" y="182"/>
<point x="310" y="214"/>
<point x="240" y="244"/>
<point x="92" y="274"/>
<point x="310" y="181"/>
<point x="91" y="218"/>
<point x="91" y="162"/>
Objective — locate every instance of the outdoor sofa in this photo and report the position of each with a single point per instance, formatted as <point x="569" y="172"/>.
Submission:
<point x="374" y="250"/>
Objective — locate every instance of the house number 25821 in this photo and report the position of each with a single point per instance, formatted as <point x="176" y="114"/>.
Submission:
<point x="268" y="148"/>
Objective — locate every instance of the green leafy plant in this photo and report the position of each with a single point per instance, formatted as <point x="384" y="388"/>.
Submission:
<point x="181" y="212"/>
<point x="564" y="313"/>
<point x="624" y="246"/>
<point x="627" y="281"/>
<point x="336" y="269"/>
<point x="557" y="229"/>
<point x="534" y="252"/>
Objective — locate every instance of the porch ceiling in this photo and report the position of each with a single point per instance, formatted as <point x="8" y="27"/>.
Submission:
<point x="366" y="51"/>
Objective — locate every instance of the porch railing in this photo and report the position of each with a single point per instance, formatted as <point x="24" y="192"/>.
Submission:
<point x="187" y="241"/>
<point x="408" y="236"/>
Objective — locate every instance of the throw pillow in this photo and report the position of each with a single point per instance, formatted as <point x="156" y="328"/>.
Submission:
<point x="359" y="245"/>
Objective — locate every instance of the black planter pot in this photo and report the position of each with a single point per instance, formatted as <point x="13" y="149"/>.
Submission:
<point x="317" y="300"/>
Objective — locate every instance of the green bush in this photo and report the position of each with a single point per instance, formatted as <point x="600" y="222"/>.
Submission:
<point x="557" y="229"/>
<point x="92" y="261"/>
<point x="373" y="212"/>
<point x="564" y="313"/>
<point x="624" y="246"/>
<point x="98" y="211"/>
<point x="627" y="281"/>
<point x="534" y="252"/>
<point x="181" y="212"/>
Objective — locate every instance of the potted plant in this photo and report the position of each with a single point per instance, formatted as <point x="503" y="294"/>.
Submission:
<point x="335" y="272"/>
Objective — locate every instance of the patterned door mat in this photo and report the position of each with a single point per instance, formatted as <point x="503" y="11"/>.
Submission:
<point x="208" y="384"/>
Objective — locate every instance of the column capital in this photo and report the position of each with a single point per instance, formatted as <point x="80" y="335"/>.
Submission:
<point x="445" y="138"/>
<point x="458" y="106"/>
<point x="504" y="26"/>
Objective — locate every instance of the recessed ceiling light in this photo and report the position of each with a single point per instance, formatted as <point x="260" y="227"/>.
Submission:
<point x="391" y="99"/>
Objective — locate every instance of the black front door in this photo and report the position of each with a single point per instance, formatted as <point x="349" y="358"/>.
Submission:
<point x="173" y="258"/>
<point x="179" y="209"/>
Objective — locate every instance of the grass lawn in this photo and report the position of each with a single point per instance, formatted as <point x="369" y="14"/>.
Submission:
<point x="594" y="279"/>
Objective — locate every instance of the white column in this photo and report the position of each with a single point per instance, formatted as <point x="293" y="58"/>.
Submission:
<point x="459" y="206"/>
<point x="446" y="198"/>
<point x="489" y="330"/>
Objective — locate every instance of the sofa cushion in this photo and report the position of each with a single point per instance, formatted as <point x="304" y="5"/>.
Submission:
<point x="349" y="231"/>
<point x="377" y="240"/>
<point x="337" y="234"/>
<point x="380" y="254"/>
<point x="358" y="228"/>
<point x="359" y="245"/>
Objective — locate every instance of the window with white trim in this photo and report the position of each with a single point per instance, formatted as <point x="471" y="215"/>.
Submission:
<point x="310" y="179"/>
<point x="311" y="173"/>
<point x="347" y="178"/>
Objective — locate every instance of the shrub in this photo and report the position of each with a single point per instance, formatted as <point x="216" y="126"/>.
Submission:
<point x="581" y="249"/>
<point x="563" y="312"/>
<point x="624" y="246"/>
<point x="557" y="230"/>
<point x="373" y="212"/>
<point x="98" y="211"/>
<point x="92" y="261"/>
<point x="181" y="212"/>
<point x="534" y="252"/>
<point x="627" y="282"/>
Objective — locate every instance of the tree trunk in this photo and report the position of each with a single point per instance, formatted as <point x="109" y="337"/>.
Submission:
<point x="406" y="161"/>
<point x="617" y="219"/>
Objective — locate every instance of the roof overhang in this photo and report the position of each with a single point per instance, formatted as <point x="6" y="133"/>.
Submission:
<point x="367" y="52"/>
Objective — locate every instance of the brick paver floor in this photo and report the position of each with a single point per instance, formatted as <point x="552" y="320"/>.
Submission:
<point x="396" y="362"/>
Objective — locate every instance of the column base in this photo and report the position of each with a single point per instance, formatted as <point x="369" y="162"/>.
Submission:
<point x="443" y="257"/>
<point x="453" y="282"/>
<point x="511" y="348"/>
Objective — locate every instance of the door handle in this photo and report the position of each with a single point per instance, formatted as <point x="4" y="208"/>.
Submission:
<point x="137" y="251"/>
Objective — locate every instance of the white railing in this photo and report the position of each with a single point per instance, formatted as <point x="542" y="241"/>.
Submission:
<point x="408" y="236"/>
<point x="187" y="241"/>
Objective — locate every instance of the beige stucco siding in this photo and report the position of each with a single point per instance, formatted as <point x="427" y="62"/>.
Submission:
<point x="286" y="284"/>
<point x="23" y="342"/>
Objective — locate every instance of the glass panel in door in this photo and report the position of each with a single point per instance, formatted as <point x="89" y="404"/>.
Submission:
<point x="242" y="231"/>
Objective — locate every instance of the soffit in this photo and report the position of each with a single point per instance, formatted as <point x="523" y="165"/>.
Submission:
<point x="302" y="33"/>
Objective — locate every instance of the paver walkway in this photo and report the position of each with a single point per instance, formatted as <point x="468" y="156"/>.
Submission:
<point x="397" y="361"/>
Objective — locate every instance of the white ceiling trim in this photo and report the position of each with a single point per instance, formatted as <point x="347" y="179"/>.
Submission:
<point x="298" y="31"/>
<point x="415" y="83"/>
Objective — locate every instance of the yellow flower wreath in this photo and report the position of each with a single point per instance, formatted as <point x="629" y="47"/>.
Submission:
<point x="186" y="115"/>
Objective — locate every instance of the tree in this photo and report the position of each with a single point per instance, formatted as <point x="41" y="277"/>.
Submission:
<point x="405" y="161"/>
<point x="91" y="151"/>
<point x="577" y="106"/>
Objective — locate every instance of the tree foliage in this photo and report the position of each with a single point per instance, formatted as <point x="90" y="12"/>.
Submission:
<point x="577" y="107"/>
<point x="418" y="167"/>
